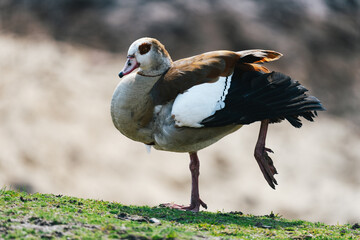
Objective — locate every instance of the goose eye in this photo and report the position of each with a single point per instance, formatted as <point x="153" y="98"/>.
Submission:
<point x="144" y="48"/>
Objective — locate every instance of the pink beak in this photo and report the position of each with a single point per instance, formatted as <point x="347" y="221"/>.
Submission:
<point x="130" y="65"/>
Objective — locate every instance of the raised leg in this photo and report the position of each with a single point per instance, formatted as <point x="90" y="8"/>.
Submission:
<point x="265" y="162"/>
<point x="195" y="201"/>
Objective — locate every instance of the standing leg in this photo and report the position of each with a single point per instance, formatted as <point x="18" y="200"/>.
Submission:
<point x="195" y="201"/>
<point x="265" y="162"/>
<point x="195" y="195"/>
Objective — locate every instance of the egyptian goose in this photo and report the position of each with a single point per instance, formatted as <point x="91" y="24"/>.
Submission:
<point x="189" y="104"/>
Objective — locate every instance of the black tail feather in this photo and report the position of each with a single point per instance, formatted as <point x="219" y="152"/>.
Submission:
<point x="255" y="96"/>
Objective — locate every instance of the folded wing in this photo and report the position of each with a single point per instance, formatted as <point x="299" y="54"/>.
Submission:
<point x="203" y="68"/>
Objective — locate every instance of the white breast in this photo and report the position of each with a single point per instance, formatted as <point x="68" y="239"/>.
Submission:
<point x="200" y="102"/>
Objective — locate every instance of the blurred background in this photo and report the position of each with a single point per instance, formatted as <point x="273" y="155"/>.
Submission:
<point x="59" y="61"/>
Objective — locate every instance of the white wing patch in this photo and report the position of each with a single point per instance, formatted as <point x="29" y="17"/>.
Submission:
<point x="200" y="102"/>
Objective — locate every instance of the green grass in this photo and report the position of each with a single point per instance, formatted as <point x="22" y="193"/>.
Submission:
<point x="47" y="216"/>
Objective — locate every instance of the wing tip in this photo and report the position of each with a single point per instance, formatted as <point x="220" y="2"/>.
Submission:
<point x="259" y="56"/>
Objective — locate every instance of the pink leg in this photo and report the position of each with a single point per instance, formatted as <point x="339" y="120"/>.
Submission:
<point x="195" y="172"/>
<point x="265" y="162"/>
<point x="195" y="196"/>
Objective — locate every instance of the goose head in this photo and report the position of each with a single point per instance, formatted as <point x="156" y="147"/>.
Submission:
<point x="149" y="55"/>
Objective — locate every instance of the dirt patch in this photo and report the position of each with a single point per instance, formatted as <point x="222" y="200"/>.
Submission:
<point x="137" y="218"/>
<point x="355" y="226"/>
<point x="45" y="228"/>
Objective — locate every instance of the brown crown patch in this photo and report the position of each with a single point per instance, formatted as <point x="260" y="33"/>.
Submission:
<point x="144" y="48"/>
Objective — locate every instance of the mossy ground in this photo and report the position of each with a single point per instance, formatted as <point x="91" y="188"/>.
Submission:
<point x="48" y="216"/>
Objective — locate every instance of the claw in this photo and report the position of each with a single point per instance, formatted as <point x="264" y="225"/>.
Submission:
<point x="203" y="204"/>
<point x="269" y="150"/>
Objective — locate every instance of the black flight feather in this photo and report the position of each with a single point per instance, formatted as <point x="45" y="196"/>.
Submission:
<point x="255" y="96"/>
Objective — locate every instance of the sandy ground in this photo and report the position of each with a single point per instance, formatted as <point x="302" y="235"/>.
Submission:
<point x="56" y="136"/>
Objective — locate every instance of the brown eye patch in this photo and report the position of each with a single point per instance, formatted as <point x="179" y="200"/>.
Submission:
<point x="144" y="48"/>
